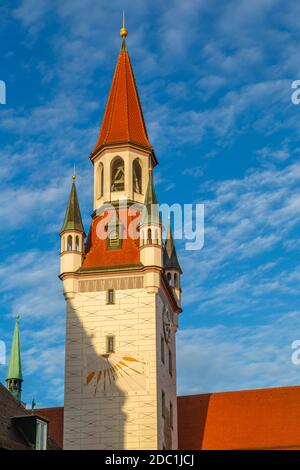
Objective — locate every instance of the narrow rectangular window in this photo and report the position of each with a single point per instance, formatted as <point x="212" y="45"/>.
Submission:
<point x="170" y="362"/>
<point x="162" y="349"/>
<point x="114" y="239"/>
<point x="110" y="296"/>
<point x="171" y="414"/>
<point x="41" y="435"/>
<point x="110" y="344"/>
<point x="163" y="404"/>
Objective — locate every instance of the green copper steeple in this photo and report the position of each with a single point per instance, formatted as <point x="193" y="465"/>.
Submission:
<point x="170" y="255"/>
<point x="14" y="376"/>
<point x="151" y="212"/>
<point x="73" y="219"/>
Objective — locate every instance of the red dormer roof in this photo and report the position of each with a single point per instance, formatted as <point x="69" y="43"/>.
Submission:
<point x="123" y="120"/>
<point x="99" y="255"/>
<point x="55" y="417"/>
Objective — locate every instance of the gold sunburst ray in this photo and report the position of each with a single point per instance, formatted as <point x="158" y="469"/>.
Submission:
<point x="114" y="367"/>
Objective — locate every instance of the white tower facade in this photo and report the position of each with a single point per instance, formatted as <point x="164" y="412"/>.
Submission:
<point x="122" y="313"/>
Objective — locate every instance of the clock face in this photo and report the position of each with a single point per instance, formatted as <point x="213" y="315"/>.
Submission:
<point x="167" y="325"/>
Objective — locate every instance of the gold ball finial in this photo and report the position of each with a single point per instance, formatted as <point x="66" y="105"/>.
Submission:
<point x="74" y="174"/>
<point x="123" y="33"/>
<point x="123" y="30"/>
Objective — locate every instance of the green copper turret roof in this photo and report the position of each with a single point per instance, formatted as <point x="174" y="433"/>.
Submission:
<point x="73" y="219"/>
<point x="151" y="213"/>
<point x="169" y="255"/>
<point x="15" y="366"/>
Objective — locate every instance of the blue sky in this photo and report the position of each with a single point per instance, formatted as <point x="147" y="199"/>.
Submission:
<point x="215" y="84"/>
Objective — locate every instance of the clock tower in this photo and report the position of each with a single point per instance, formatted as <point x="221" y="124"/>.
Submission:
<point x="122" y="292"/>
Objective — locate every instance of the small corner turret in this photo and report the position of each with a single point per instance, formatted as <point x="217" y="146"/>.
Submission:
<point x="72" y="235"/>
<point x="151" y="228"/>
<point x="171" y="265"/>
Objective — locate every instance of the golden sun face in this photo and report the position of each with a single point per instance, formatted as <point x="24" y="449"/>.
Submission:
<point x="109" y="370"/>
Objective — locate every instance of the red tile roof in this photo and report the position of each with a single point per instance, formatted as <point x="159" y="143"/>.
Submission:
<point x="98" y="254"/>
<point x="55" y="416"/>
<point x="10" y="437"/>
<point x="123" y="120"/>
<point x="251" y="419"/>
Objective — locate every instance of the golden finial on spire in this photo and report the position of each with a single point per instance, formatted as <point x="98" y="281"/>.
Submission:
<point x="74" y="173"/>
<point x="123" y="30"/>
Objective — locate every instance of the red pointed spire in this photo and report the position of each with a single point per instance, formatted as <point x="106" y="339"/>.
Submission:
<point x="123" y="120"/>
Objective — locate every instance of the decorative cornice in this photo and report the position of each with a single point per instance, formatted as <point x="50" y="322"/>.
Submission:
<point x="123" y="146"/>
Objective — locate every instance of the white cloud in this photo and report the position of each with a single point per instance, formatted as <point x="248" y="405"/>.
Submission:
<point x="30" y="287"/>
<point x="32" y="284"/>
<point x="226" y="357"/>
<point x="31" y="12"/>
<point x="246" y="219"/>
